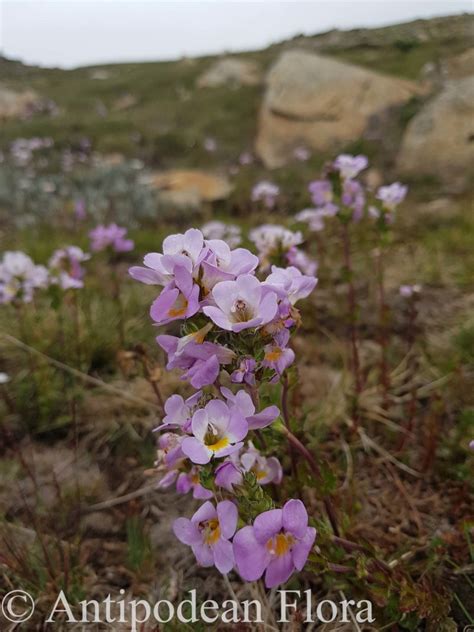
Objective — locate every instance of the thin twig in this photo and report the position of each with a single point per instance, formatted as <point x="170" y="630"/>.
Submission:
<point x="119" y="500"/>
<point x="366" y="440"/>
<point x="79" y="374"/>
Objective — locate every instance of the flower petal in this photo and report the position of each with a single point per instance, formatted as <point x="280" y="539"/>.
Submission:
<point x="301" y="549"/>
<point x="267" y="524"/>
<point x="264" y="418"/>
<point x="295" y="518"/>
<point x="206" y="511"/>
<point x="279" y="570"/>
<point x="251" y="557"/>
<point x="228" y="516"/>
<point x="218" y="317"/>
<point x="223" y="555"/>
<point x="200" y="423"/>
<point x="204" y="555"/>
<point x="196" y="451"/>
<point x="186" y="531"/>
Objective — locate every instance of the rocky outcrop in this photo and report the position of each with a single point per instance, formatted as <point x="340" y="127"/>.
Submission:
<point x="16" y="104"/>
<point x="322" y="103"/>
<point x="461" y="65"/>
<point x="230" y="71"/>
<point x="197" y="185"/>
<point x="439" y="140"/>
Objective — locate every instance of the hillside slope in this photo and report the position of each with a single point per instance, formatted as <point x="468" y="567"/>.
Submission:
<point x="155" y="110"/>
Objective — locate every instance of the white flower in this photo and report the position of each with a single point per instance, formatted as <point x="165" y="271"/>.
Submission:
<point x="4" y="378"/>
<point x="270" y="238"/>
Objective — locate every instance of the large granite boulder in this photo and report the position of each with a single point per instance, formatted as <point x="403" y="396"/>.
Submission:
<point x="322" y="103"/>
<point x="439" y="140"/>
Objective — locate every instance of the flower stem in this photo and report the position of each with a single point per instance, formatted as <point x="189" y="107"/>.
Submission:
<point x="118" y="300"/>
<point x="352" y="309"/>
<point x="383" y="318"/>
<point x="316" y="470"/>
<point x="286" y="419"/>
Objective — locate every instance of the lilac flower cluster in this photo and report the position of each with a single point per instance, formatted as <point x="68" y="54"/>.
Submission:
<point x="409" y="291"/>
<point x="279" y="245"/>
<point x="230" y="233"/>
<point x="340" y="194"/>
<point x="23" y="149"/>
<point x="65" y="267"/>
<point x="235" y="328"/>
<point x="267" y="193"/>
<point x="20" y="277"/>
<point x="110" y="237"/>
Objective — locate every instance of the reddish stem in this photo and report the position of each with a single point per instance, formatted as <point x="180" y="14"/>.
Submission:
<point x="383" y="318"/>
<point x="286" y="419"/>
<point x="352" y="309"/>
<point x="315" y="469"/>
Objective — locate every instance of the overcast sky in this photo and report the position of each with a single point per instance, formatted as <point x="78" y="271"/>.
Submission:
<point x="72" y="33"/>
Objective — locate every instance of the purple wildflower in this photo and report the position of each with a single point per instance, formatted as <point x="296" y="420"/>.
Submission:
<point x="266" y="192"/>
<point x="392" y="195"/>
<point x="200" y="360"/>
<point x="177" y="300"/>
<point x="321" y="192"/>
<point x="277" y="355"/>
<point x="241" y="304"/>
<point x="277" y="544"/>
<point x="228" y="475"/>
<point x="350" y="166"/>
<point x="243" y="402"/>
<point x="300" y="260"/>
<point x="266" y="469"/>
<point x="290" y="283"/>
<point x="245" y="372"/>
<point x="179" y="411"/>
<point x="354" y="198"/>
<point x="188" y="481"/>
<point x="407" y="291"/>
<point x="218" y="431"/>
<point x="314" y="217"/>
<point x="20" y="277"/>
<point x="208" y="533"/>
<point x="111" y="236"/>
<point x="65" y="267"/>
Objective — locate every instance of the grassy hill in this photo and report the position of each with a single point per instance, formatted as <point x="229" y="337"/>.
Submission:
<point x="169" y="116"/>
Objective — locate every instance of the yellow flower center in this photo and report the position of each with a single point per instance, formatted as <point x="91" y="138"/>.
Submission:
<point x="280" y="544"/>
<point x="274" y="355"/>
<point x="212" y="531"/>
<point x="217" y="445"/>
<point x="259" y="474"/>
<point x="179" y="308"/>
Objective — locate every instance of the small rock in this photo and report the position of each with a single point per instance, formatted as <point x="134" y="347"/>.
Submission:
<point x="230" y="71"/>
<point x="209" y="187"/>
<point x="16" y="104"/>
